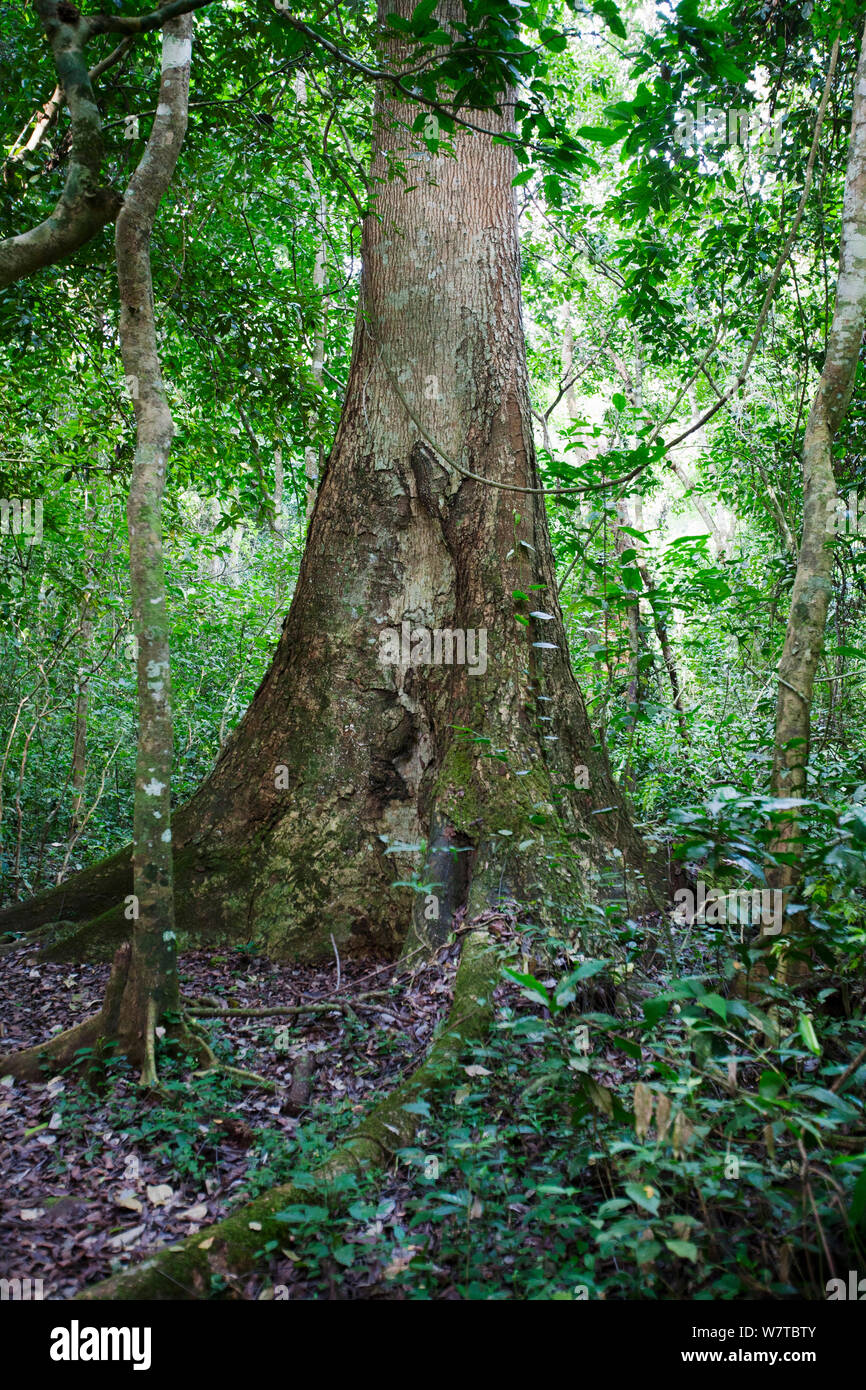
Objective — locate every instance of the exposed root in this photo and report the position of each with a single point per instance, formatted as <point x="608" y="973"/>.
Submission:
<point x="287" y="1010"/>
<point x="149" y="1075"/>
<point x="246" y="1078"/>
<point x="185" y="1270"/>
<point x="34" y="1063"/>
<point x="39" y="934"/>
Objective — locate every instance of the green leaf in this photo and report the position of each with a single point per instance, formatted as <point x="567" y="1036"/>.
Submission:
<point x="609" y="12"/>
<point x="649" y="1200"/>
<point x="770" y="1084"/>
<point x="857" y="1208"/>
<point x="602" y="134"/>
<point x="684" y="1248"/>
<point x="807" y="1032"/>
<point x="717" y="1004"/>
<point x="654" y="1009"/>
<point x="301" y="1212"/>
<point x="421" y="13"/>
<point x="531" y="987"/>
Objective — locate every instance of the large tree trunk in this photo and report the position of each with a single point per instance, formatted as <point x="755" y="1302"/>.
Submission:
<point x="342" y="756"/>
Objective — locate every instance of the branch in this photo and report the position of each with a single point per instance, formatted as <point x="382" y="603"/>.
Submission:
<point x="47" y="114"/>
<point x="85" y="205"/>
<point x="141" y="24"/>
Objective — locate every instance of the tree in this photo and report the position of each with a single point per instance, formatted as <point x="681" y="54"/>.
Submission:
<point x="810" y="599"/>
<point x="429" y="536"/>
<point x="143" y="985"/>
<point x="151" y="987"/>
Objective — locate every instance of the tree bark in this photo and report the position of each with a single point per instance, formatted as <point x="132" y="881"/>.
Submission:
<point x="812" y="585"/>
<point x="344" y="754"/>
<point x="152" y="986"/>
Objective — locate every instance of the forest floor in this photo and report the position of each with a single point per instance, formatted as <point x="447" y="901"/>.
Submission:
<point x="538" y="1170"/>
<point x="95" y="1175"/>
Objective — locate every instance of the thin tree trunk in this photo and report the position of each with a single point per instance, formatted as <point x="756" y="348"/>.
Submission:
<point x="313" y="451"/>
<point x="279" y="492"/>
<point x="812" y="585"/>
<point x="79" y="736"/>
<point x="82" y="696"/>
<point x="152" y="985"/>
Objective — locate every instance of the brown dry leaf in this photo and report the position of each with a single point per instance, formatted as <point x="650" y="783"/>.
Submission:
<point x="400" y="1260"/>
<point x="682" y="1132"/>
<point x="125" y="1238"/>
<point x="206" y="1243"/>
<point x="128" y="1201"/>
<point x="196" y="1213"/>
<point x="663" y="1116"/>
<point x="643" y="1109"/>
<point x="600" y="1097"/>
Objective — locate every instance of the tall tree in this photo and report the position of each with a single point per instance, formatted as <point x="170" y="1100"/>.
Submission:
<point x="430" y="514"/>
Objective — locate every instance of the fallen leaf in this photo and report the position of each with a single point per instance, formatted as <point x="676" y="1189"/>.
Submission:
<point x="159" y="1195"/>
<point x="196" y="1213"/>
<point x="125" y="1238"/>
<point x="128" y="1201"/>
